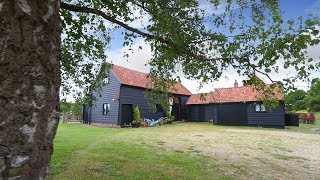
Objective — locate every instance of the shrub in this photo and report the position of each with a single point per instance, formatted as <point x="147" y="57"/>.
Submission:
<point x="299" y="104"/>
<point x="136" y="122"/>
<point x="314" y="104"/>
<point x="136" y="114"/>
<point x="170" y="117"/>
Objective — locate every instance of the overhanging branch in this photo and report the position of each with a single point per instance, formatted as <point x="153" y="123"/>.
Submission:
<point x="76" y="8"/>
<point x="184" y="48"/>
<point x="266" y="74"/>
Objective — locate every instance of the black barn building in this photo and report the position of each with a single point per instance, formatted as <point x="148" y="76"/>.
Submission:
<point x="237" y="106"/>
<point x="124" y="90"/>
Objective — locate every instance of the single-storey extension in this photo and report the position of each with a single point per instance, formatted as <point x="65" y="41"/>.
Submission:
<point x="237" y="106"/>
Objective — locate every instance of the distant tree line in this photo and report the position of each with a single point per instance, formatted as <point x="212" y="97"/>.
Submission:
<point x="304" y="100"/>
<point x="75" y="108"/>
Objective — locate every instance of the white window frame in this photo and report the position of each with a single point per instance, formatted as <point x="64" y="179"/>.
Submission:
<point x="106" y="80"/>
<point x="105" y="108"/>
<point x="259" y="107"/>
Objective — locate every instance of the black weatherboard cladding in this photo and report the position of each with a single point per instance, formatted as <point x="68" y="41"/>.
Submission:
<point x="273" y="118"/>
<point x="292" y="120"/>
<point x="136" y="97"/>
<point x="108" y="95"/>
<point x="244" y="112"/>
<point x="234" y="114"/>
<point x="86" y="113"/>
<point x="202" y="113"/>
<point x="126" y="114"/>
<point x="184" y="109"/>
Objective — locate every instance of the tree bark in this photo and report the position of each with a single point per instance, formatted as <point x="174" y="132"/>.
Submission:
<point x="29" y="86"/>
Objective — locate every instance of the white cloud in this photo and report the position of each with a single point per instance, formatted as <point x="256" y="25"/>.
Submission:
<point x="141" y="18"/>
<point x="138" y="60"/>
<point x="209" y="8"/>
<point x="314" y="9"/>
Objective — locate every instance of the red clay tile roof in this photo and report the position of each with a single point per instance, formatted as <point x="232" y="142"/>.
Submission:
<point x="196" y="99"/>
<point x="234" y="94"/>
<point x="140" y="79"/>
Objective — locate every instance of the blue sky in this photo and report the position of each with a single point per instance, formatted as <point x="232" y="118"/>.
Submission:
<point x="292" y="9"/>
<point x="139" y="58"/>
<point x="296" y="8"/>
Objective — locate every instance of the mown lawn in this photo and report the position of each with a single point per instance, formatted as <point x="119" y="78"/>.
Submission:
<point x="184" y="151"/>
<point x="84" y="152"/>
<point x="308" y="128"/>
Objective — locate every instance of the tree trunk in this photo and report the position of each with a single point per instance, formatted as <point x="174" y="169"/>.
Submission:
<point x="29" y="91"/>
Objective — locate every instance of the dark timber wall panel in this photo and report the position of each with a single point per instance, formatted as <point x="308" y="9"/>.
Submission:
<point x="202" y="113"/>
<point x="215" y="113"/>
<point x="232" y="114"/>
<point x="275" y="118"/>
<point x="209" y="112"/>
<point x="86" y="112"/>
<point x="194" y="113"/>
<point x="136" y="97"/>
<point x="184" y="108"/>
<point x="108" y="93"/>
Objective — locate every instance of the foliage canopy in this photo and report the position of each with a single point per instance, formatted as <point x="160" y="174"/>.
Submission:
<point x="301" y="100"/>
<point x="201" y="39"/>
<point x="295" y="100"/>
<point x="74" y="108"/>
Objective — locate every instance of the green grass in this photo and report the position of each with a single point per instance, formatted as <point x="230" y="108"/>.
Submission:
<point x="83" y="152"/>
<point x="307" y="128"/>
<point x="286" y="157"/>
<point x="181" y="151"/>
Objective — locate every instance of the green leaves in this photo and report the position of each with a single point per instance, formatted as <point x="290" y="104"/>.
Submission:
<point x="245" y="35"/>
<point x="136" y="115"/>
<point x="300" y="100"/>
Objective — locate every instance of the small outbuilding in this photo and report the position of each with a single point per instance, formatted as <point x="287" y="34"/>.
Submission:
<point x="237" y="106"/>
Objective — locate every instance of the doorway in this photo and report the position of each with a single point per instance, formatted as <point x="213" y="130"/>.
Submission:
<point x="126" y="114"/>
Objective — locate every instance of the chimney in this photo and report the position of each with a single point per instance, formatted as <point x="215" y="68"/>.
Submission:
<point x="236" y="83"/>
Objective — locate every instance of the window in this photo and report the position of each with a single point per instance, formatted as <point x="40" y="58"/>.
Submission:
<point x="260" y="107"/>
<point x="106" y="80"/>
<point x="105" y="108"/>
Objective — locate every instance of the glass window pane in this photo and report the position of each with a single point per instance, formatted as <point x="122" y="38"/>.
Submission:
<point x="108" y="107"/>
<point x="104" y="109"/>
<point x="263" y="108"/>
<point x="257" y="107"/>
<point x="106" y="80"/>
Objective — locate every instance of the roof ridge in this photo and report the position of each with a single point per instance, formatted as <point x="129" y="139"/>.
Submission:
<point x="204" y="93"/>
<point x="125" y="76"/>
<point x="231" y="87"/>
<point x="130" y="69"/>
<point x="243" y="86"/>
<point x="233" y="94"/>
